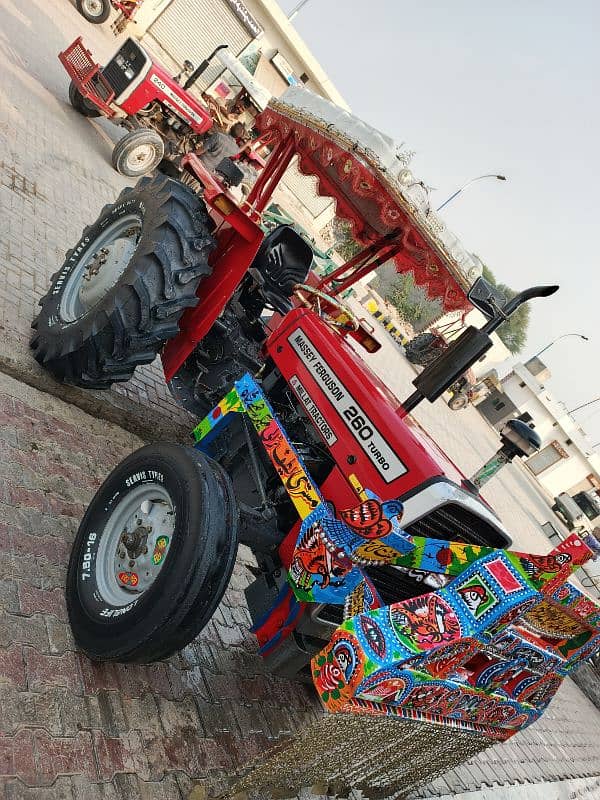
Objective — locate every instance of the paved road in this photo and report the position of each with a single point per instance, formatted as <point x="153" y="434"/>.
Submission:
<point x="70" y="729"/>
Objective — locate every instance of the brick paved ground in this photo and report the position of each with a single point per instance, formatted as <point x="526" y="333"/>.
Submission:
<point x="69" y="729"/>
<point x="89" y="731"/>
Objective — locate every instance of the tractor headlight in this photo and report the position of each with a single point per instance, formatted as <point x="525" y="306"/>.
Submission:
<point x="129" y="74"/>
<point x="120" y="61"/>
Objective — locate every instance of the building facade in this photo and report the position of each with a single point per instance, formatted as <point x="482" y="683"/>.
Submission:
<point x="256" y="31"/>
<point x="260" y="37"/>
<point x="565" y="461"/>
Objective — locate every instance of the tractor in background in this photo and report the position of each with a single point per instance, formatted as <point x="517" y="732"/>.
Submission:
<point x="98" y="11"/>
<point x="163" y="119"/>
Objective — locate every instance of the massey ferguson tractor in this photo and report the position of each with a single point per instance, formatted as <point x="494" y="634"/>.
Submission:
<point x="162" y="118"/>
<point x="381" y="573"/>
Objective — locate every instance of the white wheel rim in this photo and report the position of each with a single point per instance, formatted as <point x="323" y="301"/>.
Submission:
<point x="100" y="268"/>
<point x="93" y="8"/>
<point x="140" y="158"/>
<point x="134" y="544"/>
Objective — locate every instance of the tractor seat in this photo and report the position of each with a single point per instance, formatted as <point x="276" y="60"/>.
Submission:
<point x="283" y="260"/>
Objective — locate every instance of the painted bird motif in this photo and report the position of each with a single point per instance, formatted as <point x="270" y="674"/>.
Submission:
<point x="536" y="566"/>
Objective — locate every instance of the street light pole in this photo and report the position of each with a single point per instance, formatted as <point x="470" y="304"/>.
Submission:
<point x="296" y="9"/>
<point x="583" y="405"/>
<point x="564" y="336"/>
<point x="468" y="183"/>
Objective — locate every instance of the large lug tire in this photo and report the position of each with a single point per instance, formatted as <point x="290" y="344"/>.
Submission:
<point x="168" y="516"/>
<point x="94" y="328"/>
<point x="138" y="152"/>
<point x="95" y="11"/>
<point x="80" y="104"/>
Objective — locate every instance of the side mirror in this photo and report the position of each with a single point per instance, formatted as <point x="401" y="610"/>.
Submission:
<point x="486" y="298"/>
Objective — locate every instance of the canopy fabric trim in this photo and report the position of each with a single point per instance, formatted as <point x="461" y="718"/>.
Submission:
<point x="371" y="198"/>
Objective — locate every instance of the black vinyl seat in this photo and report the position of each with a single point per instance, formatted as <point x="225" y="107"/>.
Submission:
<point x="283" y="260"/>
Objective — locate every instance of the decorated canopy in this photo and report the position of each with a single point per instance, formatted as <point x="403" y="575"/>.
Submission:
<point x="367" y="174"/>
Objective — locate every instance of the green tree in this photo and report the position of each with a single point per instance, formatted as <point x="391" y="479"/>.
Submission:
<point x="344" y="242"/>
<point x="513" y="332"/>
<point x="412" y="302"/>
<point x="250" y="60"/>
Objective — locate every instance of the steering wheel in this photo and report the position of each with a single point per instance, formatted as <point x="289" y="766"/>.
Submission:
<point x="351" y="322"/>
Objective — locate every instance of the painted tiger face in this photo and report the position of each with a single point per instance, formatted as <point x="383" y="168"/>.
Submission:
<point x="367" y="520"/>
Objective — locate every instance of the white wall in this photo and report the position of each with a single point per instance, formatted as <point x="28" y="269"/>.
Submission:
<point x="546" y="412"/>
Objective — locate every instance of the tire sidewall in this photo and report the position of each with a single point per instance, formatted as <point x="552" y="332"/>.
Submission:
<point x="96" y="622"/>
<point x="458" y="402"/>
<point x="139" y="203"/>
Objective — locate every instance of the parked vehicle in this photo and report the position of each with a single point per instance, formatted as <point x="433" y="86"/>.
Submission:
<point x="164" y="121"/>
<point x="98" y="11"/>
<point x="302" y="454"/>
<point x="589" y="503"/>
<point x="425" y="347"/>
<point x="568" y="510"/>
<point x="467" y="389"/>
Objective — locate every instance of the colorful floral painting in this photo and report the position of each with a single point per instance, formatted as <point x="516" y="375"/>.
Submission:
<point x="485" y="653"/>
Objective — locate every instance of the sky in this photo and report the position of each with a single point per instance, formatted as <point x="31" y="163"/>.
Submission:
<point x="510" y="88"/>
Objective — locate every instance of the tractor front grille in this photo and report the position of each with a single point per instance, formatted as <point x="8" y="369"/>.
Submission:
<point x="451" y="522"/>
<point x="129" y="57"/>
<point x="454" y="523"/>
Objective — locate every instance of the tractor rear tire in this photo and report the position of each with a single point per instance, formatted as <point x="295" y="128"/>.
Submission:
<point x="80" y="104"/>
<point x="169" y="513"/>
<point x="137" y="305"/>
<point x="138" y="152"/>
<point x="95" y="12"/>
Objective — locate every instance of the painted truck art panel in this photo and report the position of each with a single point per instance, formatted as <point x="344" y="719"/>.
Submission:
<point x="485" y="653"/>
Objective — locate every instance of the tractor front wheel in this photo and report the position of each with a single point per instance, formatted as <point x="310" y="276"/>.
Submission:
<point x="121" y="291"/>
<point x="138" y="153"/>
<point x="458" y="401"/>
<point x="153" y="555"/>
<point x="95" y="11"/>
<point x="80" y="104"/>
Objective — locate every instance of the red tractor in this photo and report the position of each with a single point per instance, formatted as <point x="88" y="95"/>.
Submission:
<point x="164" y="121"/>
<point x="185" y="272"/>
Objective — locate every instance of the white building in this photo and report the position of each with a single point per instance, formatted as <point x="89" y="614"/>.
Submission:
<point x="566" y="461"/>
<point x="191" y="29"/>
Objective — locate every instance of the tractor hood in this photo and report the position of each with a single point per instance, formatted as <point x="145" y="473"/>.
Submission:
<point x="362" y="424"/>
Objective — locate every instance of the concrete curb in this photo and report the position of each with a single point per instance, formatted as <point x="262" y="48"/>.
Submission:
<point x="142" y="420"/>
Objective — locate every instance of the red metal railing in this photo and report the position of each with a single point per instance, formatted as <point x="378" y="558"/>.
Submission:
<point x="87" y="77"/>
